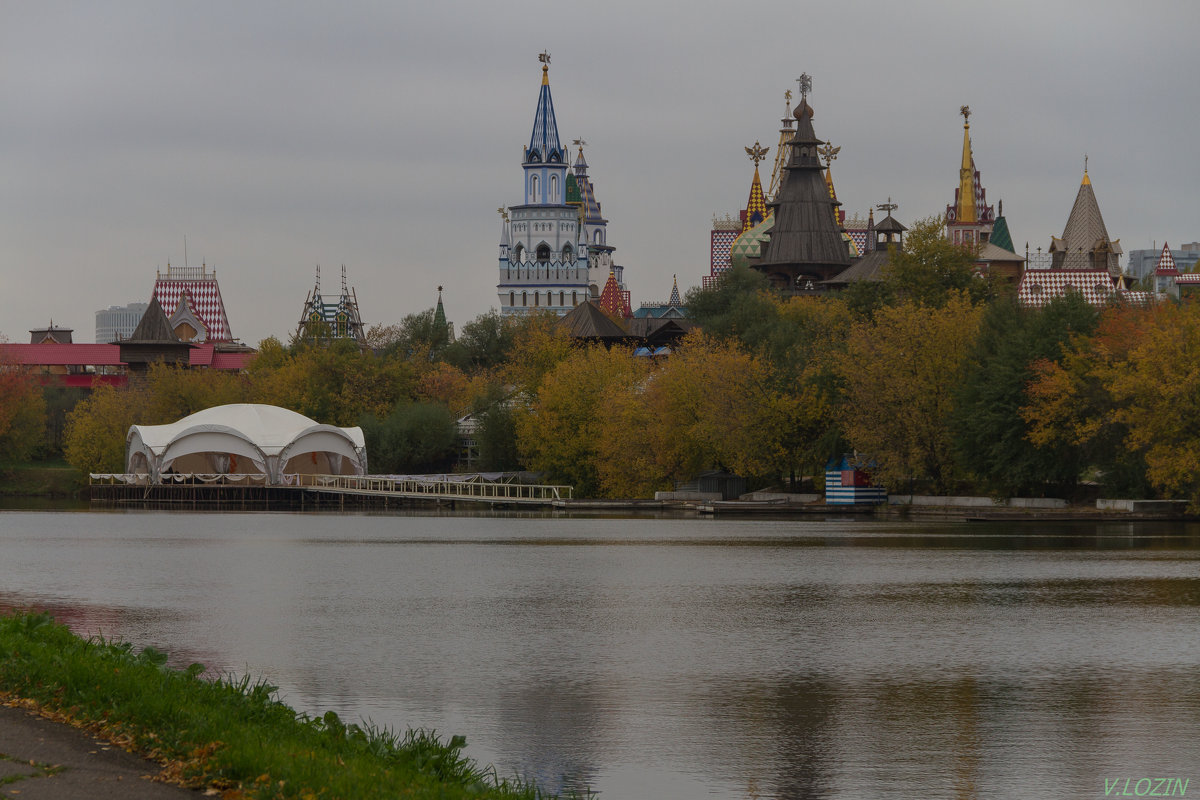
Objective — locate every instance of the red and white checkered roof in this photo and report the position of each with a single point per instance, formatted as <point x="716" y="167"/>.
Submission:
<point x="206" y="302"/>
<point x="1039" y="287"/>
<point x="1166" y="262"/>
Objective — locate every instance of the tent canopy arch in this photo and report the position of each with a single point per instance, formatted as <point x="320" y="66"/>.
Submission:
<point x="244" y="438"/>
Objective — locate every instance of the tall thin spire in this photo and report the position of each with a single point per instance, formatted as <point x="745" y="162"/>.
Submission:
<point x="966" y="173"/>
<point x="544" y="144"/>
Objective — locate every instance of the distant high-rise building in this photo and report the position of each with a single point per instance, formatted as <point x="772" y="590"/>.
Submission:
<point x="118" y="322"/>
<point x="1144" y="262"/>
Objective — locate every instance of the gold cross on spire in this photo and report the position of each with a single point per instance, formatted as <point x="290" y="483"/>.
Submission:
<point x="966" y="113"/>
<point x="757" y="153"/>
<point x="503" y="213"/>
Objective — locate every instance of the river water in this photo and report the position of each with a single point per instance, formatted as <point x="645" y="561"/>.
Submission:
<point x="678" y="658"/>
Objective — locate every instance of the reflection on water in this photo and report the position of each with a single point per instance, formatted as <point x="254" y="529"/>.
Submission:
<point x="676" y="658"/>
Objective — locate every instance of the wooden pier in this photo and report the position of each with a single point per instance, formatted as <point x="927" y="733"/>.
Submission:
<point x="316" y="492"/>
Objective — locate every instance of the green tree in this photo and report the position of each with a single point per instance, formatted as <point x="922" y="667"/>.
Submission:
<point x="416" y="438"/>
<point x="931" y="270"/>
<point x="483" y="343"/>
<point x="991" y="432"/>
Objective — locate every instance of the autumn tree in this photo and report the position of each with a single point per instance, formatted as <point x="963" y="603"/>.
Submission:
<point x="1071" y="408"/>
<point x="22" y="414"/>
<point x="1157" y="396"/>
<point x="539" y="345"/>
<point x="334" y="383"/>
<point x="556" y="430"/>
<point x="174" y="393"/>
<point x="899" y="376"/>
<point x="94" y="438"/>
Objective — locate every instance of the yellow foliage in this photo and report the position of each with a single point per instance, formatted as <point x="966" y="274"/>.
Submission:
<point x="94" y="437"/>
<point x="556" y="433"/>
<point x="899" y="374"/>
<point x="1157" y="396"/>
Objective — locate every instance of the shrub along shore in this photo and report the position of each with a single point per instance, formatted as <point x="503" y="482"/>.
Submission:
<point x="229" y="734"/>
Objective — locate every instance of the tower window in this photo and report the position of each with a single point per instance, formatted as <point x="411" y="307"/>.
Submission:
<point x="543" y="253"/>
<point x="533" y="188"/>
<point x="553" y="188"/>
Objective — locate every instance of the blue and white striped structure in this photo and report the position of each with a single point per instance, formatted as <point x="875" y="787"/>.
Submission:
<point x="846" y="483"/>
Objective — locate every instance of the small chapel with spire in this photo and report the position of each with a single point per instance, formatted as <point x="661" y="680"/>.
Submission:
<point x="554" y="250"/>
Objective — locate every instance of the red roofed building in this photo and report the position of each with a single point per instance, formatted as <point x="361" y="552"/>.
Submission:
<point x="191" y="299"/>
<point x="614" y="299"/>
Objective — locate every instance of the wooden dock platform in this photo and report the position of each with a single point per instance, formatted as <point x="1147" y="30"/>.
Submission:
<point x="316" y="492"/>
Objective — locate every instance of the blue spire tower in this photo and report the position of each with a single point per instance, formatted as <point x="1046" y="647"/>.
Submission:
<point x="543" y="252"/>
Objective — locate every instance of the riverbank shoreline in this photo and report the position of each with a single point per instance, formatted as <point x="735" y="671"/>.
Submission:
<point x="134" y="718"/>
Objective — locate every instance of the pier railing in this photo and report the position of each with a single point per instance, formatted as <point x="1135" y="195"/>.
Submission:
<point x="435" y="489"/>
<point x="450" y="488"/>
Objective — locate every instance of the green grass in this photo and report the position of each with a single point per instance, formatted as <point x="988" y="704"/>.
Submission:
<point x="41" y="479"/>
<point x="229" y="734"/>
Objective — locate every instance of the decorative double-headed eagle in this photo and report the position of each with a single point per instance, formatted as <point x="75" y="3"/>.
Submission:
<point x="829" y="153"/>
<point x="757" y="153"/>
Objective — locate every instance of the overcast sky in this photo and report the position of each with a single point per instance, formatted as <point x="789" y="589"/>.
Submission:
<point x="277" y="136"/>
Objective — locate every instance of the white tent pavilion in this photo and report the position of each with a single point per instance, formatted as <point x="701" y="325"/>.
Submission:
<point x="245" y="439"/>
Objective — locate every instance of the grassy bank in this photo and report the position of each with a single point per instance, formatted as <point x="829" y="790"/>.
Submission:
<point x="232" y="735"/>
<point x="41" y="479"/>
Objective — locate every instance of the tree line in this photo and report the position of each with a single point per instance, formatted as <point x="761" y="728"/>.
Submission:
<point x="939" y="379"/>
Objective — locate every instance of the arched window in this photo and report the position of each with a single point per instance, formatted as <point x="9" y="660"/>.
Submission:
<point x="568" y="254"/>
<point x="533" y="188"/>
<point x="524" y="299"/>
<point x="537" y="299"/>
<point x="519" y="254"/>
<point x="574" y="298"/>
<point x="543" y="253"/>
<point x="512" y="299"/>
<point x="597" y="237"/>
<point x="560" y="298"/>
<point x="553" y="188"/>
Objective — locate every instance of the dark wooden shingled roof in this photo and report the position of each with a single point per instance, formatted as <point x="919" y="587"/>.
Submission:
<point x="588" y="321"/>
<point x="805" y="237"/>
<point x="153" y="326"/>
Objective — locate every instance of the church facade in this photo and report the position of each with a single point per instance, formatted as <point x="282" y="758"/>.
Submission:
<point x="554" y="250"/>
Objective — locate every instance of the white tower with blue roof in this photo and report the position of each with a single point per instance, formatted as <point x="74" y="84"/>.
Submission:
<point x="546" y="244"/>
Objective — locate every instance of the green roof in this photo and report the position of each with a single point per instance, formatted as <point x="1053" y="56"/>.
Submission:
<point x="1001" y="237"/>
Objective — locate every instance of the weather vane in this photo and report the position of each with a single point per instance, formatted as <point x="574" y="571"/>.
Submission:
<point x="544" y="57"/>
<point x="805" y="81"/>
<point x="829" y="153"/>
<point x="757" y="153"/>
<point x="889" y="206"/>
<point x="966" y="112"/>
<point x="580" y="143"/>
